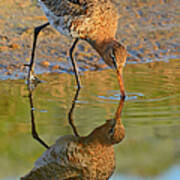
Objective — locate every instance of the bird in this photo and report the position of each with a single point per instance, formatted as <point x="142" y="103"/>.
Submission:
<point x="94" y="21"/>
<point x="75" y="157"/>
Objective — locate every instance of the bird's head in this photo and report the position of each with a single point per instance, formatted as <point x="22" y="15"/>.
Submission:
<point x="117" y="131"/>
<point x="115" y="55"/>
<point x="111" y="132"/>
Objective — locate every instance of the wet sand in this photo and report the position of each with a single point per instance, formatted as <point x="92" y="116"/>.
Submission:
<point x="149" y="30"/>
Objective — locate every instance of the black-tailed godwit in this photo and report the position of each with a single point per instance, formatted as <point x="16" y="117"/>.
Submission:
<point x="94" y="21"/>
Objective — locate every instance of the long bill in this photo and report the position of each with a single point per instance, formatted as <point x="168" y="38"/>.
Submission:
<point x="121" y="84"/>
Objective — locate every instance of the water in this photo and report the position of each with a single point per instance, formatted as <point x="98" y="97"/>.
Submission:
<point x="151" y="116"/>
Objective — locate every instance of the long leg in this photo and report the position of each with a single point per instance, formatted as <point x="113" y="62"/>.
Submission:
<point x="31" y="64"/>
<point x="74" y="63"/>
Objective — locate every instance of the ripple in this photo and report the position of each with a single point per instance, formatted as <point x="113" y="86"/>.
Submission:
<point x="115" y="96"/>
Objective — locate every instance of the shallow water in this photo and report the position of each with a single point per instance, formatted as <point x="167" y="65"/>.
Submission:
<point x="151" y="116"/>
<point x="148" y="29"/>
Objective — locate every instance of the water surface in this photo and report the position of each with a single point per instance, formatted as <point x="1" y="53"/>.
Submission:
<point x="151" y="116"/>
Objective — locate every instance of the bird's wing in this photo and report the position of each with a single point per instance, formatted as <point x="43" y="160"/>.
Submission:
<point x="65" y="7"/>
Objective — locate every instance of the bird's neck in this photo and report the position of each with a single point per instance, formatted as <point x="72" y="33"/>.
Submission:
<point x="102" y="45"/>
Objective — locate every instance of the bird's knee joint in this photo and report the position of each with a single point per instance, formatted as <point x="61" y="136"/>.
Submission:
<point x="37" y="30"/>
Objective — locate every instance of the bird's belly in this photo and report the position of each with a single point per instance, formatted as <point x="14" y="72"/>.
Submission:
<point x="60" y="23"/>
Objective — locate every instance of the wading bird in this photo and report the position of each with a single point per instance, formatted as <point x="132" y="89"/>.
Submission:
<point x="94" y="21"/>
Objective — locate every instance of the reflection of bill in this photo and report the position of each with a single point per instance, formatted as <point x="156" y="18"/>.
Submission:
<point x="73" y="157"/>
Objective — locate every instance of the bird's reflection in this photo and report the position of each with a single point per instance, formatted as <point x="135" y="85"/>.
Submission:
<point x="74" y="157"/>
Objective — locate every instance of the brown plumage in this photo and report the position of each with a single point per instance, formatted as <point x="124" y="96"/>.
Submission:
<point x="94" y="21"/>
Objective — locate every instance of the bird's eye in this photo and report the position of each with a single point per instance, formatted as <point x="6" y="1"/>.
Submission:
<point x="111" y="131"/>
<point x="114" y="59"/>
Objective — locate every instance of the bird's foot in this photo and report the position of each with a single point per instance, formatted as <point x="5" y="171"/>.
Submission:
<point x="32" y="80"/>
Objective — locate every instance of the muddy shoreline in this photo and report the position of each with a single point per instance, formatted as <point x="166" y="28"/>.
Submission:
<point x="149" y="30"/>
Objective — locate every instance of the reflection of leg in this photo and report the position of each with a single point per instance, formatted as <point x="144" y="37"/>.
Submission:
<point x="74" y="63"/>
<point x="70" y="114"/>
<point x="33" y="126"/>
<point x="31" y="65"/>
